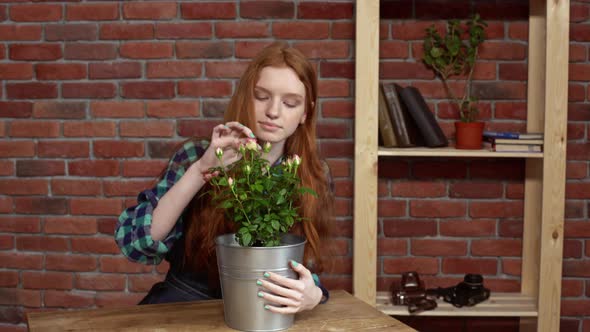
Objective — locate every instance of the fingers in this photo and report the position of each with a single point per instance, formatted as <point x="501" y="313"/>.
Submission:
<point x="218" y="130"/>
<point x="284" y="281"/>
<point x="230" y="135"/>
<point x="240" y="128"/>
<point x="279" y="290"/>
<point x="234" y="129"/>
<point x="299" y="268"/>
<point x="227" y="143"/>
<point x="303" y="272"/>
<point x="285" y="295"/>
<point x="281" y="310"/>
<point x="280" y="300"/>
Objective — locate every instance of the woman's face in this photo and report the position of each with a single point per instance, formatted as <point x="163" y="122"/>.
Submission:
<point x="279" y="104"/>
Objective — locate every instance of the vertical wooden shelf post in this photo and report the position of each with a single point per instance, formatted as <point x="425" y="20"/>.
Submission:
<point x="554" y="162"/>
<point x="533" y="184"/>
<point x="365" y="150"/>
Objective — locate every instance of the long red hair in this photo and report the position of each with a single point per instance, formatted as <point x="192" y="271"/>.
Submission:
<point x="204" y="222"/>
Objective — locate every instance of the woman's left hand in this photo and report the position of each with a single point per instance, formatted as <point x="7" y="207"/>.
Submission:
<point x="289" y="296"/>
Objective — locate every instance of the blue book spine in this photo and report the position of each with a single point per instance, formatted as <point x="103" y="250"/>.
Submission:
<point x="500" y="134"/>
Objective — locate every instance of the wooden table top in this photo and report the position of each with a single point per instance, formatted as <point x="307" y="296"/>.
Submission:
<point x="343" y="312"/>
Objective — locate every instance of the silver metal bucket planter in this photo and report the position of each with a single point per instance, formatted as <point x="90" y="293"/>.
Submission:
<point x="240" y="267"/>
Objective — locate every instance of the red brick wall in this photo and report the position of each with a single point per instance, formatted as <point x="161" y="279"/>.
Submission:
<point x="95" y="94"/>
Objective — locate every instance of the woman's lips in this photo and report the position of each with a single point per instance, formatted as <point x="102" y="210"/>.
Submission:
<point x="269" y="126"/>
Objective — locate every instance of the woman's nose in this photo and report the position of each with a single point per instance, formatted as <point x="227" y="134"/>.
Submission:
<point x="274" y="109"/>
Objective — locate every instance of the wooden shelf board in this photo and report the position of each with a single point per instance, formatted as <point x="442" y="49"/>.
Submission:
<point x="498" y="305"/>
<point x="452" y="152"/>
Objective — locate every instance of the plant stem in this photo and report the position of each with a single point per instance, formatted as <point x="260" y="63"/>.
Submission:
<point x="452" y="95"/>
<point x="443" y="78"/>
<point x="233" y="191"/>
<point x="453" y="59"/>
<point x="240" y="202"/>
<point x="469" y="82"/>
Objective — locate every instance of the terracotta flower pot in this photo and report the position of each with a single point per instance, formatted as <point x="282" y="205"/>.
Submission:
<point x="469" y="135"/>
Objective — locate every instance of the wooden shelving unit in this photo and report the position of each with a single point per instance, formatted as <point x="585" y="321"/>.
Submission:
<point x="538" y="303"/>
<point x="452" y="152"/>
<point x="500" y="304"/>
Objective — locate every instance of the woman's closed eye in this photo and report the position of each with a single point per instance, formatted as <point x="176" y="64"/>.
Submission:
<point x="291" y="103"/>
<point x="261" y="97"/>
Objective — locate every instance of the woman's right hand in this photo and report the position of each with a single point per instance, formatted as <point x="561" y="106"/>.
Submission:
<point x="228" y="137"/>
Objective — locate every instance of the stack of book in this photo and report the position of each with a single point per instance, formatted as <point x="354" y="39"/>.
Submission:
<point x="405" y="120"/>
<point x="502" y="141"/>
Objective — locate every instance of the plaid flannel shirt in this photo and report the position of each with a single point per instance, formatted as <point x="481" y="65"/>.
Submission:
<point x="133" y="231"/>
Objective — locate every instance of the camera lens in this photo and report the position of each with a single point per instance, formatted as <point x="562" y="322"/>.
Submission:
<point x="473" y="279"/>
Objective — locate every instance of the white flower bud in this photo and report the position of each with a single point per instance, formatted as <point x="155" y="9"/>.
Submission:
<point x="219" y="152"/>
<point x="230" y="181"/>
<point x="296" y="160"/>
<point x="251" y="145"/>
<point x="266" y="147"/>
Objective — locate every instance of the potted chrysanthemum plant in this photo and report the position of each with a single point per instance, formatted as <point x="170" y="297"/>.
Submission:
<point x="263" y="201"/>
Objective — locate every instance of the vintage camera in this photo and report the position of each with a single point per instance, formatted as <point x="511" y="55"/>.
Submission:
<point x="468" y="293"/>
<point x="411" y="292"/>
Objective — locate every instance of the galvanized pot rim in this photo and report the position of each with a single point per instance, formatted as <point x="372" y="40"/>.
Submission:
<point x="291" y="240"/>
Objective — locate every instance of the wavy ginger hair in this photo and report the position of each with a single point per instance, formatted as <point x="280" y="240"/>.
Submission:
<point x="205" y="221"/>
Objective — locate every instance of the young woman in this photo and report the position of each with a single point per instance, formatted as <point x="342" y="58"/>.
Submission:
<point x="276" y="98"/>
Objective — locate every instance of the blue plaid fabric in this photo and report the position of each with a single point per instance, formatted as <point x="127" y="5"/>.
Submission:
<point x="133" y="231"/>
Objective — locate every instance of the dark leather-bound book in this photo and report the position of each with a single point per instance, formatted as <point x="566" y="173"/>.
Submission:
<point x="404" y="127"/>
<point x="423" y="117"/>
<point x="385" y="126"/>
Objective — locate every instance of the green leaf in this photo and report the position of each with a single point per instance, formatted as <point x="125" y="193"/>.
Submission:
<point x="435" y="52"/>
<point x="276" y="225"/>
<point x="310" y="191"/>
<point x="454" y="46"/>
<point x="455" y="53"/>
<point x="246" y="239"/>
<point x="264" y="203"/>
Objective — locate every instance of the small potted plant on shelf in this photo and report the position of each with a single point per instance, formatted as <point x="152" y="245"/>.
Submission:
<point x="455" y="54"/>
<point x="263" y="202"/>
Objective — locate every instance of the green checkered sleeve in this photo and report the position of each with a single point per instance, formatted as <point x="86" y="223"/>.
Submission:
<point x="133" y="231"/>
